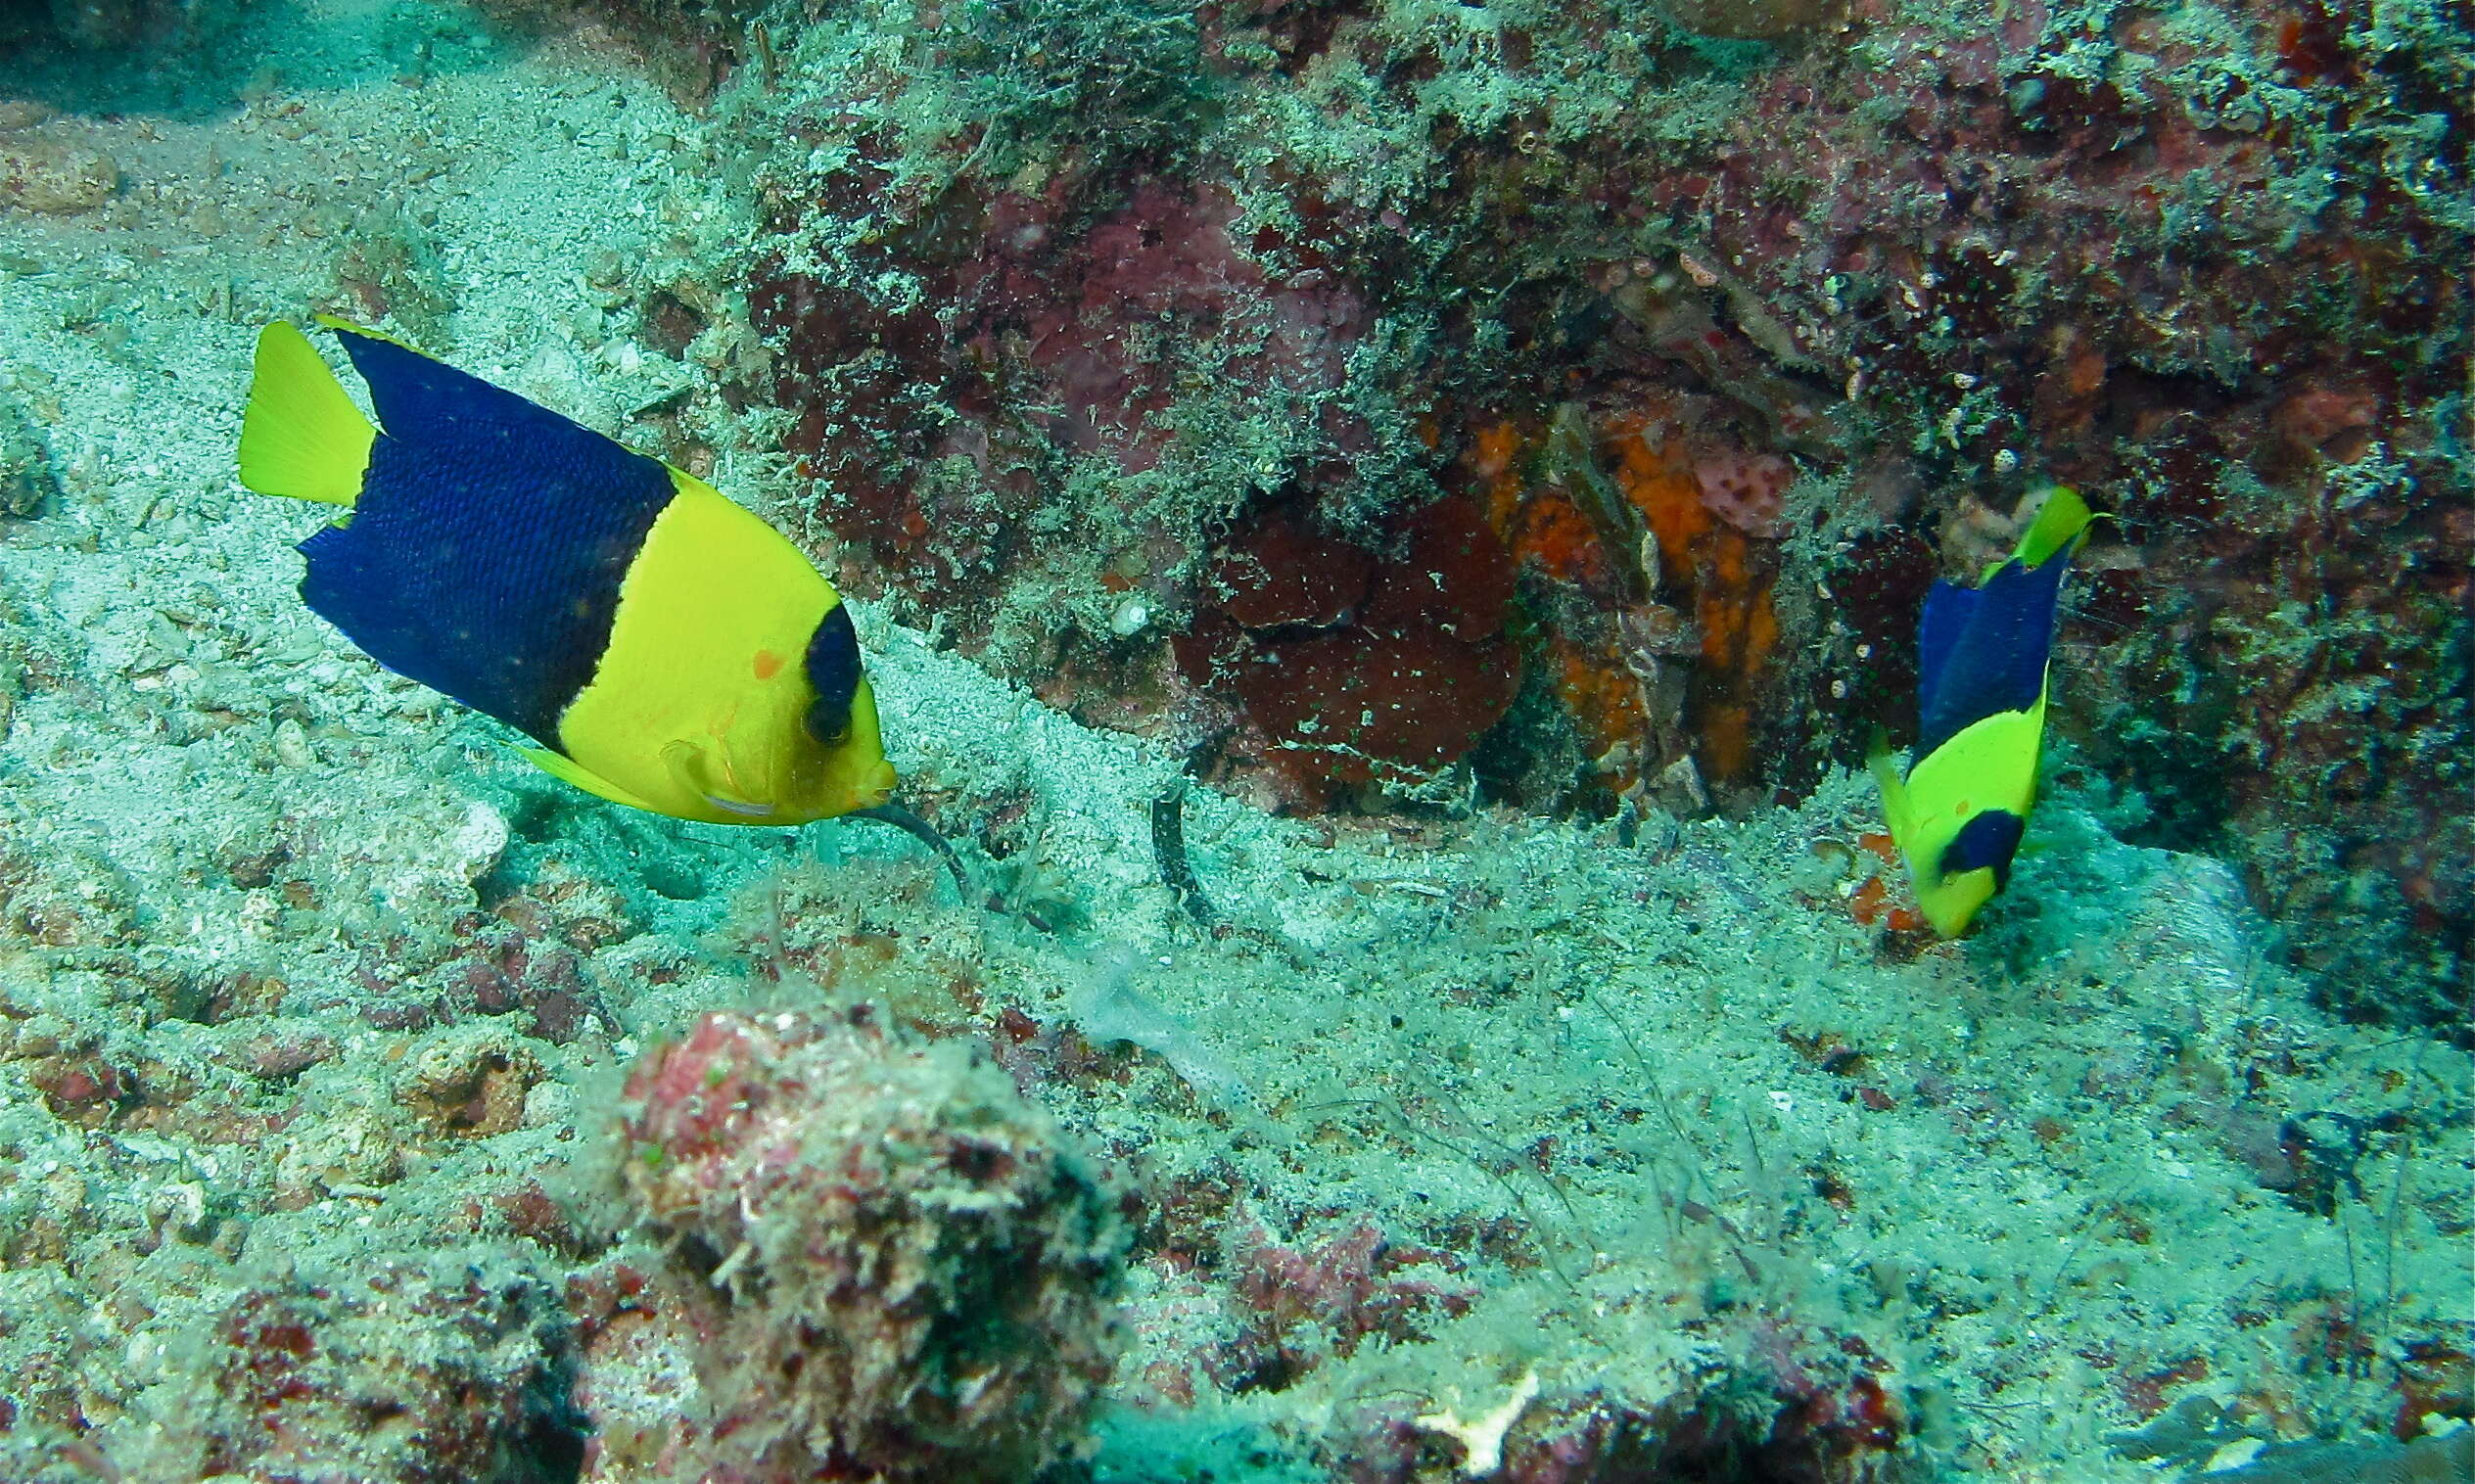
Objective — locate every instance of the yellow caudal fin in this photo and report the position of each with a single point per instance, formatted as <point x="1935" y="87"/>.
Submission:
<point x="2060" y="524"/>
<point x="301" y="435"/>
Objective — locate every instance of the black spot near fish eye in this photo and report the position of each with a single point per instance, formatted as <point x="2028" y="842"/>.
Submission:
<point x="833" y="670"/>
<point x="829" y="726"/>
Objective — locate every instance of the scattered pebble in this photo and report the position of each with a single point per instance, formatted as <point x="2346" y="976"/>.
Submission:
<point x="54" y="176"/>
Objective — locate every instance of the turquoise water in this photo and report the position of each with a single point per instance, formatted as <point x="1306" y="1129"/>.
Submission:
<point x="1381" y="534"/>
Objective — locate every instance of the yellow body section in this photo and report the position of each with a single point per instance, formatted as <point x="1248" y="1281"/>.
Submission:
<point x="1990" y="765"/>
<point x="697" y="708"/>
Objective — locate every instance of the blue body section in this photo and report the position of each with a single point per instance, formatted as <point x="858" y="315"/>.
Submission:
<point x="484" y="555"/>
<point x="1983" y="650"/>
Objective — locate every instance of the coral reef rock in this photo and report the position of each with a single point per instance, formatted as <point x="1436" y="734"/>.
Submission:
<point x="891" y="1264"/>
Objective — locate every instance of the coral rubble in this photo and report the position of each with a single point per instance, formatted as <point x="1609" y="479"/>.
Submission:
<point x="884" y="1261"/>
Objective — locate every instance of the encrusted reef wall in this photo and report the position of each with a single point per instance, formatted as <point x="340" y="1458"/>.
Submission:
<point x="1573" y="401"/>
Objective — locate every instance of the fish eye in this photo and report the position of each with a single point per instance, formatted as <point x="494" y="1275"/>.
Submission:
<point x="833" y="670"/>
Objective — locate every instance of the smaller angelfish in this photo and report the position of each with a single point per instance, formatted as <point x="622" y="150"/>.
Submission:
<point x="1958" y="813"/>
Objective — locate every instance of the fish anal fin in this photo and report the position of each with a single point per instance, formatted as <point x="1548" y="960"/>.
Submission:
<point x="301" y="435"/>
<point x="570" y="772"/>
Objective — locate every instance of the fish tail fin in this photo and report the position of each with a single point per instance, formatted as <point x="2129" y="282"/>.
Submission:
<point x="301" y="435"/>
<point x="2061" y="524"/>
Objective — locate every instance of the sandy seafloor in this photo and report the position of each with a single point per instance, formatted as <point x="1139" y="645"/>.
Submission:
<point x="2037" y="1177"/>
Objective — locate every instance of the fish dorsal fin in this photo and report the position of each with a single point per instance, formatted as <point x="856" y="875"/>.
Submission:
<point x="422" y="400"/>
<point x="339" y="323"/>
<point x="301" y="435"/>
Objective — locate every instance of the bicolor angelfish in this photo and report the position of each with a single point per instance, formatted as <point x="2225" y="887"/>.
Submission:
<point x="1960" y="809"/>
<point x="667" y="649"/>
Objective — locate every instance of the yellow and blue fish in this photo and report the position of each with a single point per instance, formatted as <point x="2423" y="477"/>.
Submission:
<point x="1959" y="810"/>
<point x="667" y="649"/>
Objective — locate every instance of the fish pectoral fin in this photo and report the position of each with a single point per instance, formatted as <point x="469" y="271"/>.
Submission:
<point x="1878" y="749"/>
<point x="1896" y="811"/>
<point x="568" y="770"/>
<point x="301" y="435"/>
<point x="691" y="769"/>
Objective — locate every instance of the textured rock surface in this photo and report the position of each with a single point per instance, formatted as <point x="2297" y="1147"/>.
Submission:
<point x="1736" y="342"/>
<point x="892" y="1265"/>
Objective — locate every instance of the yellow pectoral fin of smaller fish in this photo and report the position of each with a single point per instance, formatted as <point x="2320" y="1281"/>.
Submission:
<point x="568" y="770"/>
<point x="301" y="435"/>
